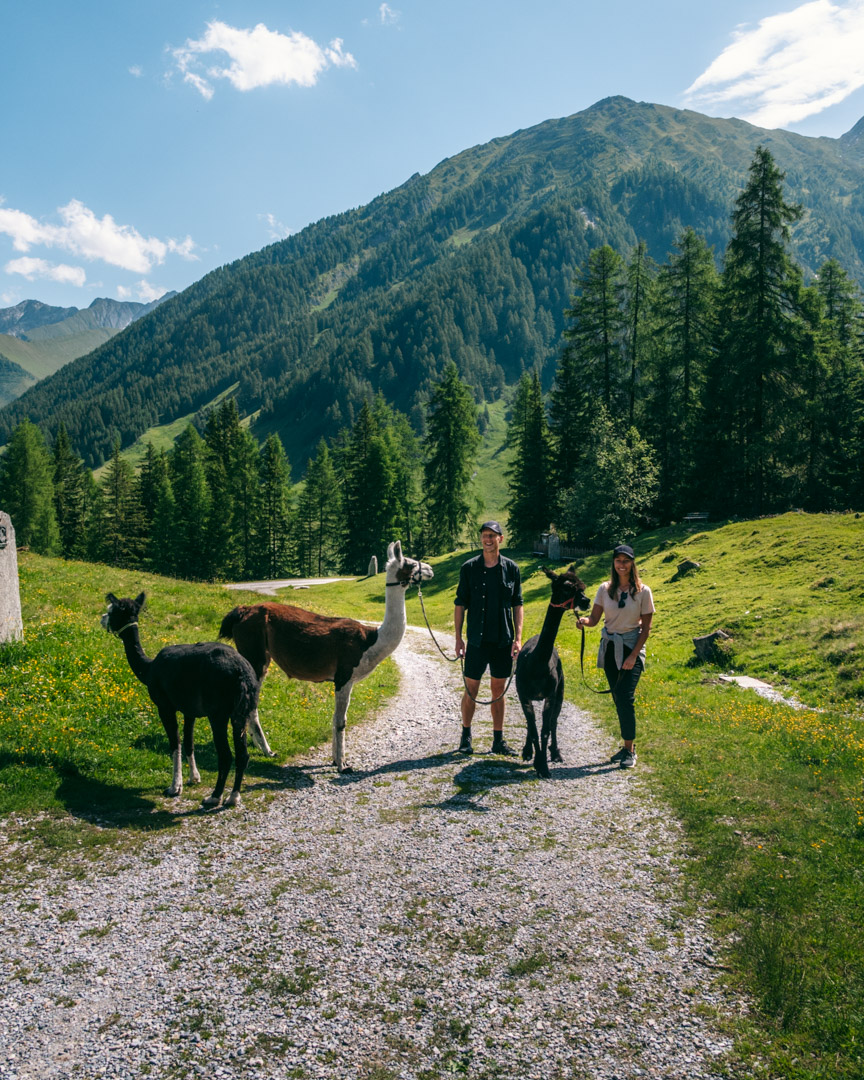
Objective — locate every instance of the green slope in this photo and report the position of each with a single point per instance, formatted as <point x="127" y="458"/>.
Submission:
<point x="472" y="263"/>
<point x="43" y="355"/>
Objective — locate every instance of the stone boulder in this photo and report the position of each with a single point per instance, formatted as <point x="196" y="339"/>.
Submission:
<point x="709" y="647"/>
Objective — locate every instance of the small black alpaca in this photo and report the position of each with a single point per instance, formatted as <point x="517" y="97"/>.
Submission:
<point x="539" y="675"/>
<point x="208" y="679"/>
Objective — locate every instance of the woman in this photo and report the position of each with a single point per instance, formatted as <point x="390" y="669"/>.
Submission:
<point x="627" y="607"/>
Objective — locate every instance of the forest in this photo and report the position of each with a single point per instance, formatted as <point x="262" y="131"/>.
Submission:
<point x="678" y="388"/>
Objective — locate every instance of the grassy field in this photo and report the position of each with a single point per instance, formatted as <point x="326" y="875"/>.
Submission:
<point x="770" y="796"/>
<point x="79" y="737"/>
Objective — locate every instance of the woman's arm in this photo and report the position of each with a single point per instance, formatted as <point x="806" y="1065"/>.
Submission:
<point x="645" y="630"/>
<point x="593" y="618"/>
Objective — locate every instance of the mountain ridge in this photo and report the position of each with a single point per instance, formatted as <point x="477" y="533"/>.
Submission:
<point x="471" y="262"/>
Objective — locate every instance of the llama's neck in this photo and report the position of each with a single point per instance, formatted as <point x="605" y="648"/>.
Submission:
<point x="392" y="630"/>
<point x="546" y="640"/>
<point x="139" y="663"/>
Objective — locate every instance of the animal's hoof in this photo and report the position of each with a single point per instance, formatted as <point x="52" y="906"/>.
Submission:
<point x="172" y="793"/>
<point x="527" y="753"/>
<point x="195" y="778"/>
<point x="346" y="768"/>
<point x="211" y="801"/>
<point x="556" y="757"/>
<point x="270" y="753"/>
<point x="542" y="769"/>
<point x="234" y="799"/>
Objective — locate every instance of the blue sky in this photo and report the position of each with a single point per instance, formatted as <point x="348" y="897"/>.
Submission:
<point x="146" y="143"/>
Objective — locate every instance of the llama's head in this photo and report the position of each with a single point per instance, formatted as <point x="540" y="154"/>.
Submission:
<point x="568" y="590"/>
<point x="403" y="571"/>
<point x="121" y="613"/>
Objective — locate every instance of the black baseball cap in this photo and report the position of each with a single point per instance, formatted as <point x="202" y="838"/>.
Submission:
<point x="624" y="549"/>
<point x="493" y="525"/>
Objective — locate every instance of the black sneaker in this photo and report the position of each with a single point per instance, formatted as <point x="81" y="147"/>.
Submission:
<point x="616" y="758"/>
<point x="499" y="746"/>
<point x="465" y="746"/>
<point x="629" y="759"/>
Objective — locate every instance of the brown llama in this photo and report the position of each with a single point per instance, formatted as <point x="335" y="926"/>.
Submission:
<point x="539" y="675"/>
<point x="319" y="648"/>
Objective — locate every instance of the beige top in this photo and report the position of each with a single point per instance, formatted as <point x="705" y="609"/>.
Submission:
<point x="621" y="620"/>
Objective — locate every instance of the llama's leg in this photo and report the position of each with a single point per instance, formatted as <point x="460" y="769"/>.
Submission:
<point x="169" y="722"/>
<point x="189" y="748"/>
<point x="241" y="754"/>
<point x="258" y="737"/>
<point x="219" y="724"/>
<point x="555" y="753"/>
<point x="541" y="764"/>
<point x="531" y="742"/>
<point x="340" y="718"/>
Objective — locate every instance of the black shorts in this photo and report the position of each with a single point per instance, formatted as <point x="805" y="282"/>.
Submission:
<point x="498" y="658"/>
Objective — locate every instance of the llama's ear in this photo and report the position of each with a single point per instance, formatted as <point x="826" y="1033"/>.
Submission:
<point x="548" y="572"/>
<point x="139" y="600"/>
<point x="389" y="552"/>
<point x="397" y="550"/>
<point x="111" y="598"/>
<point x="571" y="569"/>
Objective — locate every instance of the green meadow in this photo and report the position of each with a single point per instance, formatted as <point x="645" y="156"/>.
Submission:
<point x="770" y="795"/>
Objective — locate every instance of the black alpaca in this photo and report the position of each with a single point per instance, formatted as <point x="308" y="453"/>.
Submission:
<point x="208" y="679"/>
<point x="539" y="676"/>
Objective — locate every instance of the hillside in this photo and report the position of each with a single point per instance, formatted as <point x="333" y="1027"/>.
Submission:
<point x="473" y="262"/>
<point x="37" y="340"/>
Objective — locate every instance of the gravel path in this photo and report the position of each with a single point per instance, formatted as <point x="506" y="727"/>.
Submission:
<point x="429" y="915"/>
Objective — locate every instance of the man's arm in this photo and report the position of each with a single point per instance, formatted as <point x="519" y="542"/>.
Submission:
<point x="518" y="616"/>
<point x="458" y="619"/>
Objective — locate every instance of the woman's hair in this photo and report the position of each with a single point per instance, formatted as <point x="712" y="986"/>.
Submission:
<point x="635" y="580"/>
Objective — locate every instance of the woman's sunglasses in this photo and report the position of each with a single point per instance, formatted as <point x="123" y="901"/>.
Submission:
<point x="622" y="599"/>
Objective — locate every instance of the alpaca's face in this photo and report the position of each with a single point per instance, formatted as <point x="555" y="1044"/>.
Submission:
<point x="120" y="613"/>
<point x="407" y="572"/>
<point x="569" y="589"/>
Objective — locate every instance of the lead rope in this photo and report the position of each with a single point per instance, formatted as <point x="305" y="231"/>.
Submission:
<point x="453" y="659"/>
<point x="611" y="689"/>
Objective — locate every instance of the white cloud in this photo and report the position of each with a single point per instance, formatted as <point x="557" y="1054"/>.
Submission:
<point x="790" y="66"/>
<point x="387" y="15"/>
<point x="277" y="230"/>
<point x="259" y="57"/>
<point x="136" y="71"/>
<point x="89" y="237"/>
<point x="38" y="268"/>
<point x="147" y="292"/>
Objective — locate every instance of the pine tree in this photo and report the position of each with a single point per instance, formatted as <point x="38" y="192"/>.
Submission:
<point x="569" y="408"/>
<point x="596" y="333"/>
<point x="451" y="443"/>
<point x="367" y="484"/>
<point x="27" y="490"/>
<point x="193" y="556"/>
<point x="531" y="503"/>
<point x="70" y="496"/>
<point x="274" y="521"/>
<point x="122" y="519"/>
<point x="688" y="289"/>
<point x="755" y="377"/>
<point x="319" y="516"/>
<point x="637" y="313"/>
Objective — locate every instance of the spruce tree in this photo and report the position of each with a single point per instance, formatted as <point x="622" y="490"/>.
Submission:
<point x="687" y="293"/>
<point x="451" y="443"/>
<point x="122" y="519"/>
<point x="319" y="516"/>
<point x="27" y="490"/>
<point x="755" y="377"/>
<point x="598" y="326"/>
<point x="275" y="510"/>
<point x="367" y="483"/>
<point x="531" y="504"/>
<point x="638" y="315"/>
<point x="70" y="496"/>
<point x="193" y="556"/>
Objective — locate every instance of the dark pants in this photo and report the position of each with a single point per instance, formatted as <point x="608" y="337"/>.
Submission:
<point x="623" y="685"/>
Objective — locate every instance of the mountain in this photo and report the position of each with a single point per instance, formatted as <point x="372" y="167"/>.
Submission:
<point x="37" y="339"/>
<point x="472" y="262"/>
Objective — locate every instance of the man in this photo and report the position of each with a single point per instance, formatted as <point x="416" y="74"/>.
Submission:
<point x="490" y="588"/>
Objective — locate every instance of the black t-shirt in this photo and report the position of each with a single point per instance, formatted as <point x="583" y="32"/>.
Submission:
<point x="492" y="613"/>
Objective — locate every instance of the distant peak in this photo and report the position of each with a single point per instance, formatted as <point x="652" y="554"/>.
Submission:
<point x="855" y="135"/>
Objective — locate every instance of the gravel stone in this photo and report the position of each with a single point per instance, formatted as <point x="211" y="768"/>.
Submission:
<point x="427" y="915"/>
